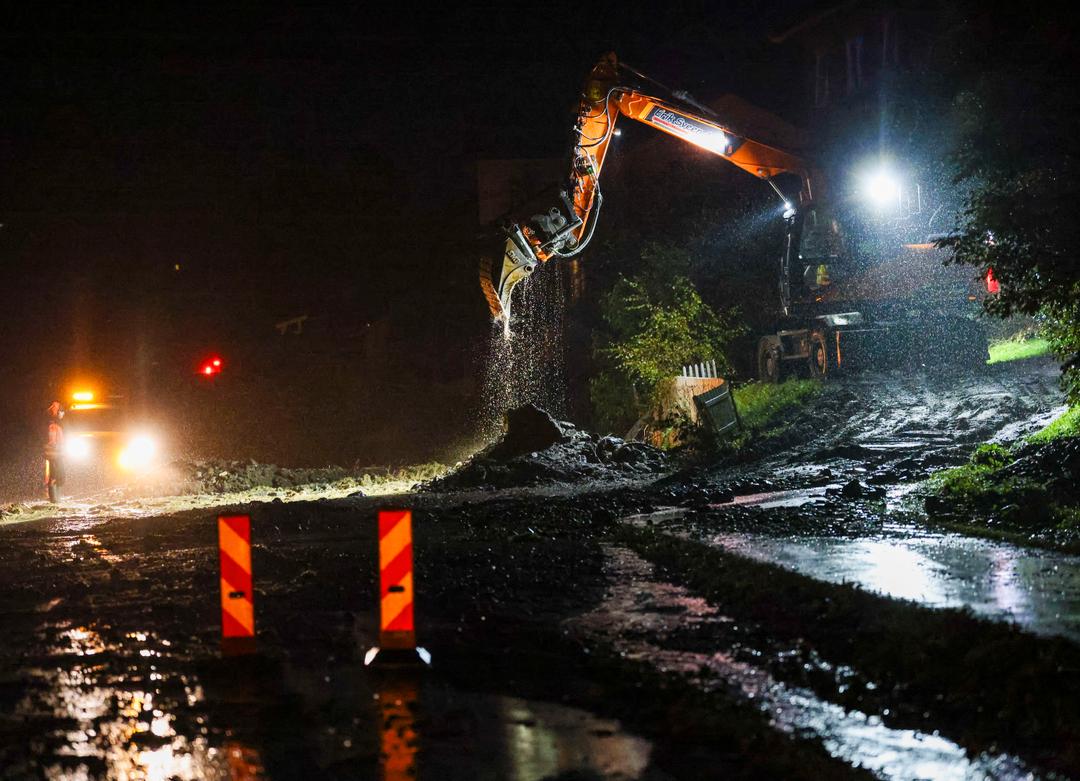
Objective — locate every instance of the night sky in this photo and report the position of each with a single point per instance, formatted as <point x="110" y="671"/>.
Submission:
<point x="174" y="182"/>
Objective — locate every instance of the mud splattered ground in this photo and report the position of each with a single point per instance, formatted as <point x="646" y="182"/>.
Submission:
<point x="732" y="621"/>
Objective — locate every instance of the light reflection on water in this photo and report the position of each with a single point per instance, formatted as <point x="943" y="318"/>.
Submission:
<point x="639" y="611"/>
<point x="125" y="728"/>
<point x="1038" y="589"/>
<point x="544" y="740"/>
<point x="107" y="712"/>
<point x="430" y="731"/>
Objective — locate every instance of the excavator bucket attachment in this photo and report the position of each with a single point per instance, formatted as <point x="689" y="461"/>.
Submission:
<point x="499" y="275"/>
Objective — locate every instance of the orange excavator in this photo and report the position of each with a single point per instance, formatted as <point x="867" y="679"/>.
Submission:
<point x="565" y="229"/>
<point x="823" y="293"/>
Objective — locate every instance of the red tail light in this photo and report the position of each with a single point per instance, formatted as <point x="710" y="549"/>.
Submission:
<point x="992" y="285"/>
<point x="211" y="367"/>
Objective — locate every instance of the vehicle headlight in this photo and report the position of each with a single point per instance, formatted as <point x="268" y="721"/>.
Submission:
<point x="77" y="448"/>
<point x="139" y="453"/>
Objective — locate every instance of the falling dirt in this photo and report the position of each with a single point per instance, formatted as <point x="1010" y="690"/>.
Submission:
<point x="527" y="364"/>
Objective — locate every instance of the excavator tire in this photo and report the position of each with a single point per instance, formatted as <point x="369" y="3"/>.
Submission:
<point x="822" y="361"/>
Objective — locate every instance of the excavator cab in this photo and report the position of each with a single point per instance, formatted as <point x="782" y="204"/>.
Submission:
<point x="816" y="258"/>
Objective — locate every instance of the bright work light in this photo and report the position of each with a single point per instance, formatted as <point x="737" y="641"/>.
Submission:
<point x="882" y="189"/>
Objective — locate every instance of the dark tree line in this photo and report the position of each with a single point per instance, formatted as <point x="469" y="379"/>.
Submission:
<point x="1014" y="150"/>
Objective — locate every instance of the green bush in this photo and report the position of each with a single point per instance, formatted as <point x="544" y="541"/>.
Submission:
<point x="991" y="456"/>
<point x="1061" y="327"/>
<point x="656" y="323"/>
<point x="662" y="334"/>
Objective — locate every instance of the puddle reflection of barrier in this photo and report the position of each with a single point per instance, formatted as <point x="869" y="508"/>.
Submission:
<point x="244" y="762"/>
<point x="399" y="739"/>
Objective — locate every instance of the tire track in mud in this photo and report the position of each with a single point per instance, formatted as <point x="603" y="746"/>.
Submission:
<point x="831" y="480"/>
<point x="987" y="686"/>
<point x="900" y="426"/>
<point x="650" y="620"/>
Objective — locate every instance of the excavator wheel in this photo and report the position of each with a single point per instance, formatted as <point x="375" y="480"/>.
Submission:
<point x="822" y="361"/>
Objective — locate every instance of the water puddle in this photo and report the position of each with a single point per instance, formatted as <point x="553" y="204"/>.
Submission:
<point x="94" y="721"/>
<point x="791" y="498"/>
<point x="637" y="612"/>
<point x="519" y="740"/>
<point x="1038" y="589"/>
<point x="410" y="725"/>
<point x="104" y="706"/>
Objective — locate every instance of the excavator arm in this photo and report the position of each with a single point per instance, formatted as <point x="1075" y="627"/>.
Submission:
<point x="565" y="229"/>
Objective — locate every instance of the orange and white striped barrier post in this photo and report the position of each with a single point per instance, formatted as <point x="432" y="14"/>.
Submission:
<point x="397" y="631"/>
<point x="237" y="596"/>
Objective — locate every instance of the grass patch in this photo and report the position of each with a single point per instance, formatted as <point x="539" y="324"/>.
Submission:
<point x="1037" y="505"/>
<point x="1068" y="425"/>
<point x="974" y="477"/>
<point x="761" y="403"/>
<point x="1018" y="349"/>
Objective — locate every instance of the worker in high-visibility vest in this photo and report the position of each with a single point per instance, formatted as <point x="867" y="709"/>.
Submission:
<point x="54" y="452"/>
<point x="817" y="277"/>
<point x="821" y="276"/>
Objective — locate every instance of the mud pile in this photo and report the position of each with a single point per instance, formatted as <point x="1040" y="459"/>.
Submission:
<point x="537" y="449"/>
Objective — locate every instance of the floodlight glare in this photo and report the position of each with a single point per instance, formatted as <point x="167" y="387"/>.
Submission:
<point x="882" y="189"/>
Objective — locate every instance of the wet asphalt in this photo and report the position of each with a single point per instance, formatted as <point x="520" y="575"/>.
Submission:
<point x="111" y="665"/>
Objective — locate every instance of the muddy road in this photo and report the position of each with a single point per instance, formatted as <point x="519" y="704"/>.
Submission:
<point x="783" y="613"/>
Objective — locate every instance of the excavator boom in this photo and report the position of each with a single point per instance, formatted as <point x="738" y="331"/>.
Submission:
<point x="566" y="227"/>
